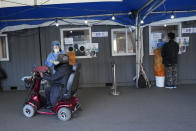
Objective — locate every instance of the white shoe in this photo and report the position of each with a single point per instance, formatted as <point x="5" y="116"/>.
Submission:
<point x="174" y="87"/>
<point x="169" y="87"/>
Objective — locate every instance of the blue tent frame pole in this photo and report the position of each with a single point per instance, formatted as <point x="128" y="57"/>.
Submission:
<point x="146" y="5"/>
<point x="151" y="10"/>
<point x="175" y="11"/>
<point x="139" y="59"/>
<point x="138" y="44"/>
<point x="137" y="51"/>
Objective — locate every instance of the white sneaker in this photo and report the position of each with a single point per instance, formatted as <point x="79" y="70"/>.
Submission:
<point x="169" y="87"/>
<point x="174" y="87"/>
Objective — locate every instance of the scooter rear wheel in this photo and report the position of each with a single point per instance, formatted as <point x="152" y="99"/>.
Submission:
<point x="28" y="111"/>
<point x="64" y="114"/>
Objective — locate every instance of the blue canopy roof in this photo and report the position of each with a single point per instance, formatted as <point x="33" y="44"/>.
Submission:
<point x="96" y="10"/>
<point x="174" y="5"/>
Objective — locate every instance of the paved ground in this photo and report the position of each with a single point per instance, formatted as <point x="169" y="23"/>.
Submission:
<point x="154" y="109"/>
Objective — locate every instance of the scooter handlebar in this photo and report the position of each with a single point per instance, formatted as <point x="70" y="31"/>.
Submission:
<point x="41" y="69"/>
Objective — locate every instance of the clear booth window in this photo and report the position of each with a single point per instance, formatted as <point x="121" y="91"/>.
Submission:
<point x="4" y="56"/>
<point x="158" y="34"/>
<point x="78" y="40"/>
<point x="123" y="42"/>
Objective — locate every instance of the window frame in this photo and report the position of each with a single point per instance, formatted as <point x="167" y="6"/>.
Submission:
<point x="162" y="24"/>
<point x="75" y="29"/>
<point x="7" y="49"/>
<point x="112" y="49"/>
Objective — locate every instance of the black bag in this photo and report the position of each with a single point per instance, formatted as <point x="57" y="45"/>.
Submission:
<point x="142" y="83"/>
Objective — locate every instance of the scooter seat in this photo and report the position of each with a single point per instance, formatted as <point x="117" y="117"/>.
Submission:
<point x="72" y="83"/>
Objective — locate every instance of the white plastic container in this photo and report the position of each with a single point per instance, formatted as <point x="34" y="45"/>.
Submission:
<point x="160" y="81"/>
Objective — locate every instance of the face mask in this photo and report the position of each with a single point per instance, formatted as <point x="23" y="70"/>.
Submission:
<point x="56" y="50"/>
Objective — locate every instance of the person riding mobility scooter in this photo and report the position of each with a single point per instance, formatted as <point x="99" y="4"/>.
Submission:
<point x="63" y="104"/>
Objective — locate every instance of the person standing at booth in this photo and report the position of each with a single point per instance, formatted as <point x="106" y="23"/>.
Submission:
<point x="51" y="60"/>
<point x="170" y="57"/>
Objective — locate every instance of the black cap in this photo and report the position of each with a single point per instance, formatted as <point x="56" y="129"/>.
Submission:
<point x="171" y="35"/>
<point x="62" y="58"/>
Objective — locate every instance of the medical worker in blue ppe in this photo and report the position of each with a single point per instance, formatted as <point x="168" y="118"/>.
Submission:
<point x="51" y="60"/>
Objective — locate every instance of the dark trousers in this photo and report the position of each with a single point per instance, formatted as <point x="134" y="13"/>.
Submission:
<point x="53" y="94"/>
<point x="171" y="76"/>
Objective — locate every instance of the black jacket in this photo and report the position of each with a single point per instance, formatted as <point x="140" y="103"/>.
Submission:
<point x="170" y="53"/>
<point x="61" y="75"/>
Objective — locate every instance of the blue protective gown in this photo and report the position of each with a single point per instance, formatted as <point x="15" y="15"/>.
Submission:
<point x="52" y="56"/>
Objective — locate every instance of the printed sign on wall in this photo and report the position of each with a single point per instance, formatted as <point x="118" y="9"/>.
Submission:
<point x="91" y="49"/>
<point x="68" y="40"/>
<point x="189" y="30"/>
<point x="100" y="34"/>
<point x="155" y="39"/>
<point x="183" y="43"/>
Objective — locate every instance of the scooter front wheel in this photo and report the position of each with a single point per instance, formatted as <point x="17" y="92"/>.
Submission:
<point x="28" y="111"/>
<point x="64" y="114"/>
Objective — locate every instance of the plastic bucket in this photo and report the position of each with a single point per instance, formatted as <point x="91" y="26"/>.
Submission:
<point x="160" y="80"/>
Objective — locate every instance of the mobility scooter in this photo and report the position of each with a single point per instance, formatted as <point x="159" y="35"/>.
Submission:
<point x="35" y="102"/>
